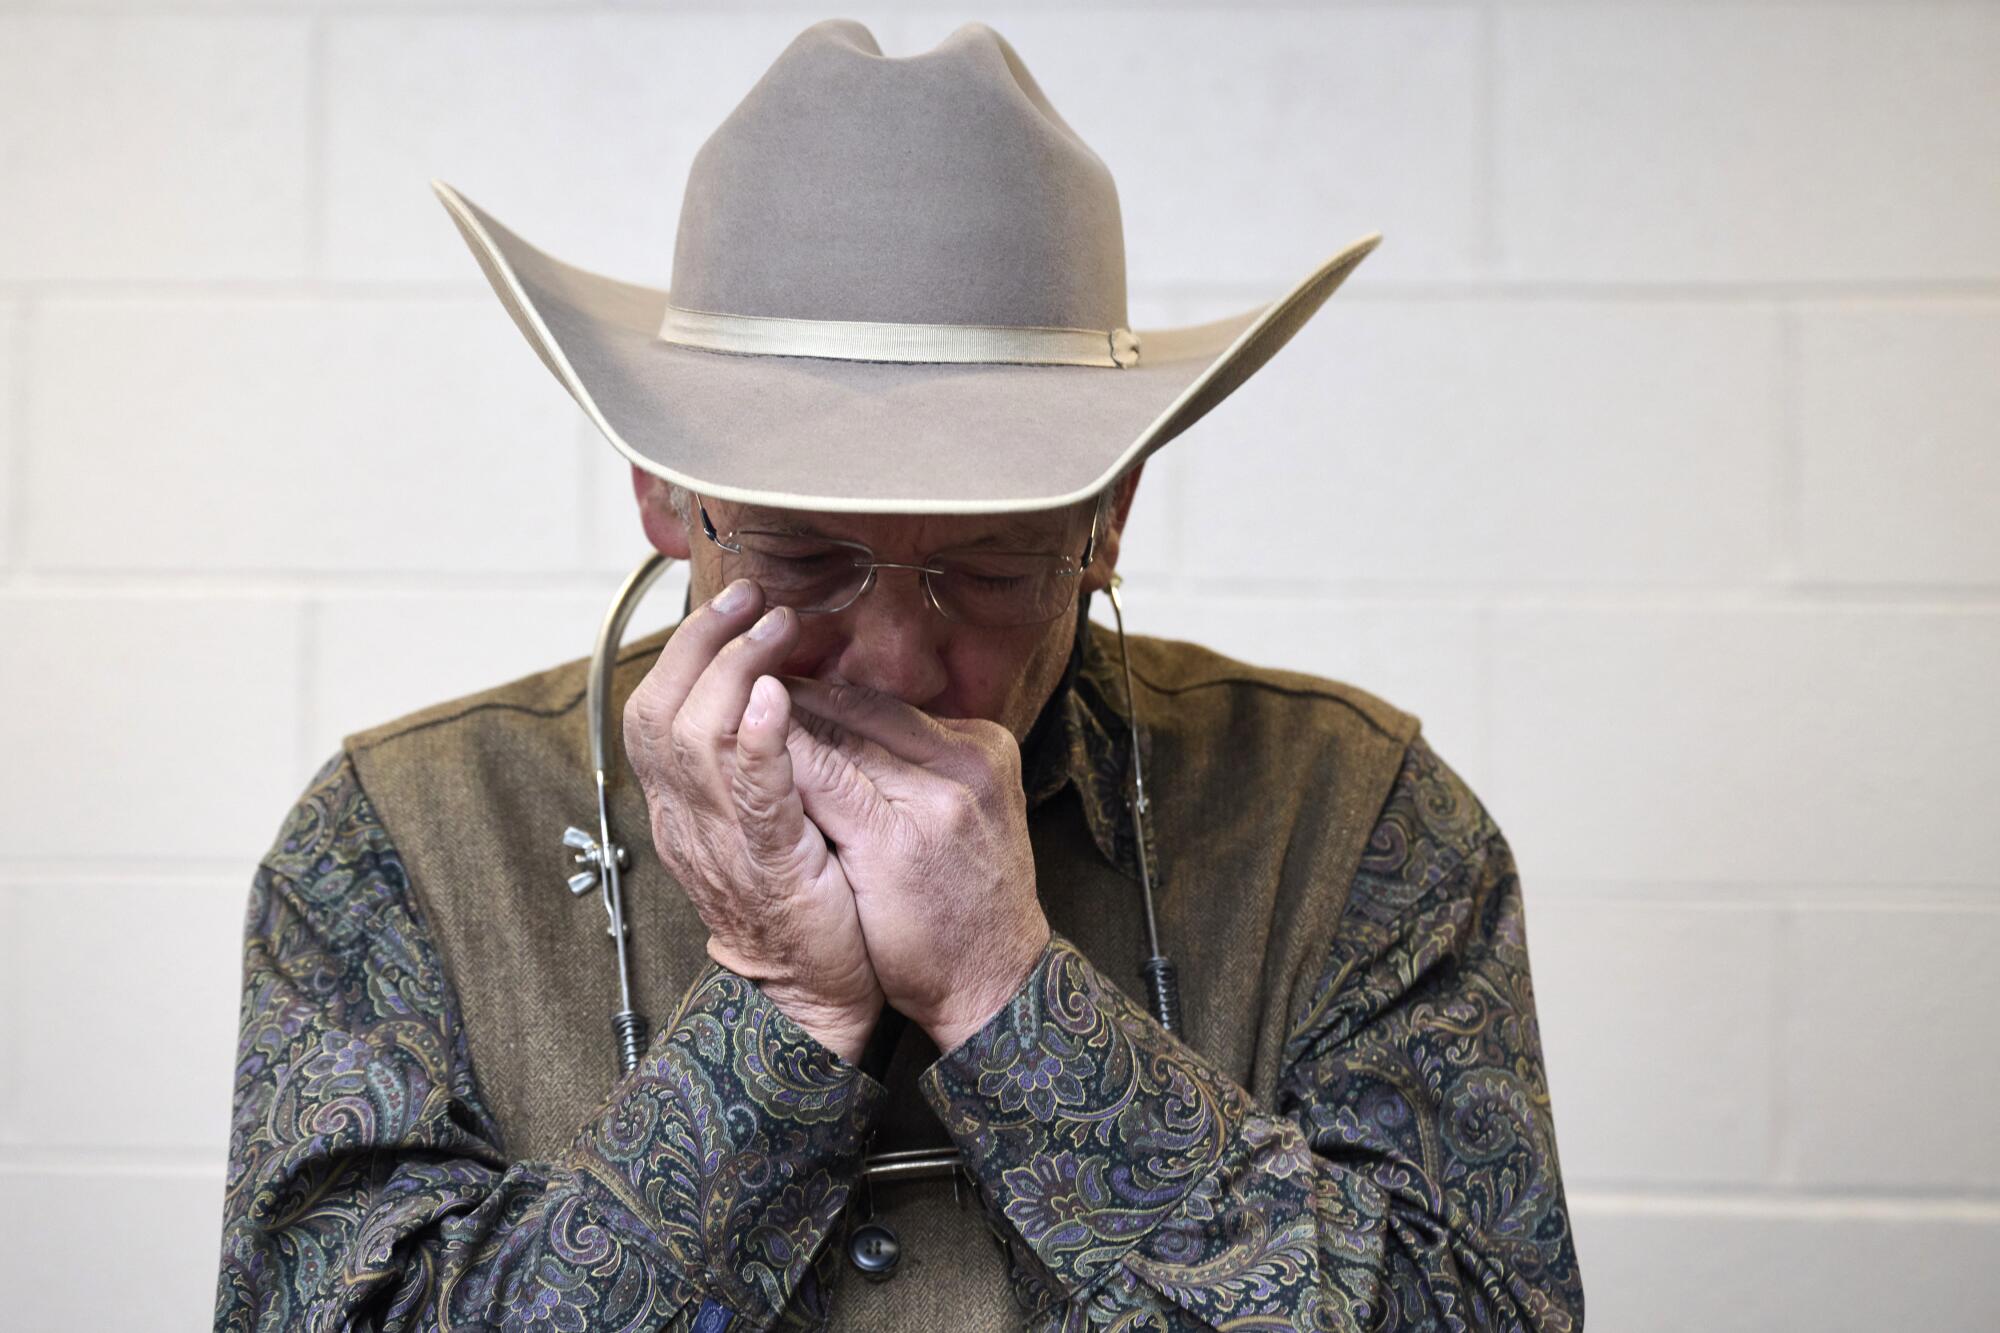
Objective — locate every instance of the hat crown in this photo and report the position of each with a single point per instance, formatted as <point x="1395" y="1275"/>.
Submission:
<point x="939" y="188"/>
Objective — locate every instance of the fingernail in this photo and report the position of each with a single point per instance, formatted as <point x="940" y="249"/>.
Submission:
<point x="763" y="698"/>
<point x="768" y="623"/>
<point x="734" y="598"/>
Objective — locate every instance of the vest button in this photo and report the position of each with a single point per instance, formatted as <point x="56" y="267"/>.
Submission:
<point x="874" y="1249"/>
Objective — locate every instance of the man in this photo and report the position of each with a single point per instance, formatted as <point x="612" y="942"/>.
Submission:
<point x="897" y="887"/>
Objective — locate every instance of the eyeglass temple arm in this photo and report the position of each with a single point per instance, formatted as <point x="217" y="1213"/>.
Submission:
<point x="1096" y="521"/>
<point x="708" y="525"/>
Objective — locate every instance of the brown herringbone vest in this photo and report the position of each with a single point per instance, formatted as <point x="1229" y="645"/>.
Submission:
<point x="1265" y="786"/>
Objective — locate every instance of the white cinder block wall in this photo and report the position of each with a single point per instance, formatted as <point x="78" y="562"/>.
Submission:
<point x="1652" y="460"/>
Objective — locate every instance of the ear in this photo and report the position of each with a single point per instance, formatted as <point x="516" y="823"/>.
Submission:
<point x="664" y="528"/>
<point x="1098" y="577"/>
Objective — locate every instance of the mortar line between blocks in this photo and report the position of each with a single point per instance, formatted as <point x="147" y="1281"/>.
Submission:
<point x="1804" y="1204"/>
<point x="156" y="1162"/>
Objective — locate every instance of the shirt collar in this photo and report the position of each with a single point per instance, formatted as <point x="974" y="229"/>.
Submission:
<point x="1082" y="739"/>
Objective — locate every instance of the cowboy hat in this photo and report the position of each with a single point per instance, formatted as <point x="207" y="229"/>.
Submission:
<point x="898" y="286"/>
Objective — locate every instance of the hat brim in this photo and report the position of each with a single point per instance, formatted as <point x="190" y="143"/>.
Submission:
<point x="801" y="432"/>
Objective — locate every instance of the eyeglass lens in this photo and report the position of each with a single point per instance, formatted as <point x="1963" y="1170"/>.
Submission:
<point x="977" y="587"/>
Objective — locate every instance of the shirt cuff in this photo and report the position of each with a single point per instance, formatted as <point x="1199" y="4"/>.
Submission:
<point x="1086" y="1124"/>
<point x="736" y="1143"/>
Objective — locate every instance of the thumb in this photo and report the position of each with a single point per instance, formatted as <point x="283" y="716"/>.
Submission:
<point x="768" y="809"/>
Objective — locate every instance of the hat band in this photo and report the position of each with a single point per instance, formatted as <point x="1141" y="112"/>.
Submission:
<point x="858" y="340"/>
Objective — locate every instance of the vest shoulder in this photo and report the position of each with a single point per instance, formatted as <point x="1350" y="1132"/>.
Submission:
<point x="1189" y="670"/>
<point x="550" y="692"/>
<point x="548" y="695"/>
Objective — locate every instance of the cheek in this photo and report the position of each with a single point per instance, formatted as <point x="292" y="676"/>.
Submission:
<point x="704" y="574"/>
<point x="1006" y="677"/>
<point x="979" y="677"/>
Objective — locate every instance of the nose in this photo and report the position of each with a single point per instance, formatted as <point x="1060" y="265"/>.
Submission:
<point x="894" y="641"/>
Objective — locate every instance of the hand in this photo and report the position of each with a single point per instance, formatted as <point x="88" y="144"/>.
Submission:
<point x="705" y="731"/>
<point x="930" y="824"/>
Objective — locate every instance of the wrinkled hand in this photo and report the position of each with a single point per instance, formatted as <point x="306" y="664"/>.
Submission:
<point x="706" y="735"/>
<point x="930" y="825"/>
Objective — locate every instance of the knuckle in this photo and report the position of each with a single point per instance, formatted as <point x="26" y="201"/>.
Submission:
<point x="1006" y="752"/>
<point x="689" y="739"/>
<point x="826" y="766"/>
<point x="816" y="736"/>
<point x="993" y="753"/>
<point x="755" y="803"/>
<point x="834" y="772"/>
<point x="847" y="697"/>
<point x="649" y="765"/>
<point x="961" y="807"/>
<point x="996" y="739"/>
<point x="642" y="714"/>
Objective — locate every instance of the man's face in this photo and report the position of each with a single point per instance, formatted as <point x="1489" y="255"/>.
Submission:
<point x="892" y="639"/>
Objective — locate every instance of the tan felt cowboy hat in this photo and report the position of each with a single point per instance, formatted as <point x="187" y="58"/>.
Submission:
<point x="898" y="286"/>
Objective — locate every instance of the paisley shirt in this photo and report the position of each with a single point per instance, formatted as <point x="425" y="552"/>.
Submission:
<point x="1406" y="1178"/>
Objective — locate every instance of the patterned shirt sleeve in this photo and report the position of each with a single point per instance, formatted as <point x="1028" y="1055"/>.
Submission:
<point x="367" y="1185"/>
<point x="1407" y="1177"/>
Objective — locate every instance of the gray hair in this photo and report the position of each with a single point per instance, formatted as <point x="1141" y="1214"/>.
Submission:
<point x="678" y="496"/>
